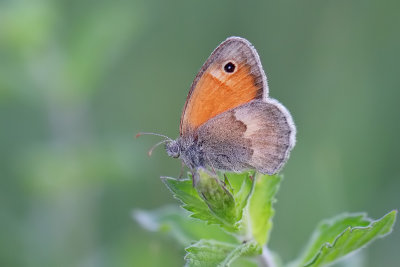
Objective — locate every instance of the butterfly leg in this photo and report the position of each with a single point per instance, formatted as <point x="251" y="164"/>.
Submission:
<point x="195" y="177"/>
<point x="212" y="167"/>
<point x="181" y="172"/>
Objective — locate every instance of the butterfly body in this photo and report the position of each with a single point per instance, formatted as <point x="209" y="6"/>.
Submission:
<point x="229" y="123"/>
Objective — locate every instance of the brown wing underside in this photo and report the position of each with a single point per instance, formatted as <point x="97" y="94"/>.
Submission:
<point x="257" y="135"/>
<point x="215" y="91"/>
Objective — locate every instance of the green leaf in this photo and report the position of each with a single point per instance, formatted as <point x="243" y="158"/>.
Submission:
<point x="329" y="230"/>
<point x="184" y="191"/>
<point x="213" y="253"/>
<point x="226" y="195"/>
<point x="176" y="221"/>
<point x="240" y="187"/>
<point x="217" y="197"/>
<point x="336" y="238"/>
<point x="260" y="209"/>
<point x="207" y="253"/>
<point x="245" y="249"/>
<point x="245" y="262"/>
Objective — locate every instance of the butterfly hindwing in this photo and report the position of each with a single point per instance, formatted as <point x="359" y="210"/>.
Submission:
<point x="257" y="135"/>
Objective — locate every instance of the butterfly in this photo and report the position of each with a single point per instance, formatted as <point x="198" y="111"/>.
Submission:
<point x="229" y="122"/>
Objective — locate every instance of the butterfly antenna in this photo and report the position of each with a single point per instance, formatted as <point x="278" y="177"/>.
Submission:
<point x="156" y="145"/>
<point x="148" y="133"/>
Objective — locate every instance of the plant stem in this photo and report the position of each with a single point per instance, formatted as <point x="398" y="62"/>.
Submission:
<point x="266" y="259"/>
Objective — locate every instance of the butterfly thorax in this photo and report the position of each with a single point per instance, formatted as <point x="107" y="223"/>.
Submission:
<point x="188" y="150"/>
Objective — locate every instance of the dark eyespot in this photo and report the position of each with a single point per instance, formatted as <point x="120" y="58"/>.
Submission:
<point x="229" y="67"/>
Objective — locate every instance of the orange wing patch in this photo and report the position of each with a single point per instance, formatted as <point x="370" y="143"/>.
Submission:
<point x="216" y="89"/>
<point x="217" y="92"/>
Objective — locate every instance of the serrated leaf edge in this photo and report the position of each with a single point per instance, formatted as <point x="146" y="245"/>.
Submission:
<point x="236" y="252"/>
<point x="239" y="251"/>
<point x="227" y="227"/>
<point x="200" y="242"/>
<point x="372" y="223"/>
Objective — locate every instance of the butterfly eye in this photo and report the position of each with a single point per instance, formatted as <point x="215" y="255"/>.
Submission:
<point x="229" y="67"/>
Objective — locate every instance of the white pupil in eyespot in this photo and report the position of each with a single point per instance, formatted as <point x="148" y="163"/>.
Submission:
<point x="229" y="67"/>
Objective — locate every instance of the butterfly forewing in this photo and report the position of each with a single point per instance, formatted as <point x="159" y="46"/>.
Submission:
<point x="217" y="88"/>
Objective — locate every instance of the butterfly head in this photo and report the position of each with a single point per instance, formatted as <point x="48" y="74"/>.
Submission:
<point x="173" y="148"/>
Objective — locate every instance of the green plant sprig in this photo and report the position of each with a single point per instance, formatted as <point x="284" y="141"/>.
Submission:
<point x="228" y="220"/>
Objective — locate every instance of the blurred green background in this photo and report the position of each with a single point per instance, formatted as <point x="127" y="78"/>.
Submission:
<point x="78" y="79"/>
